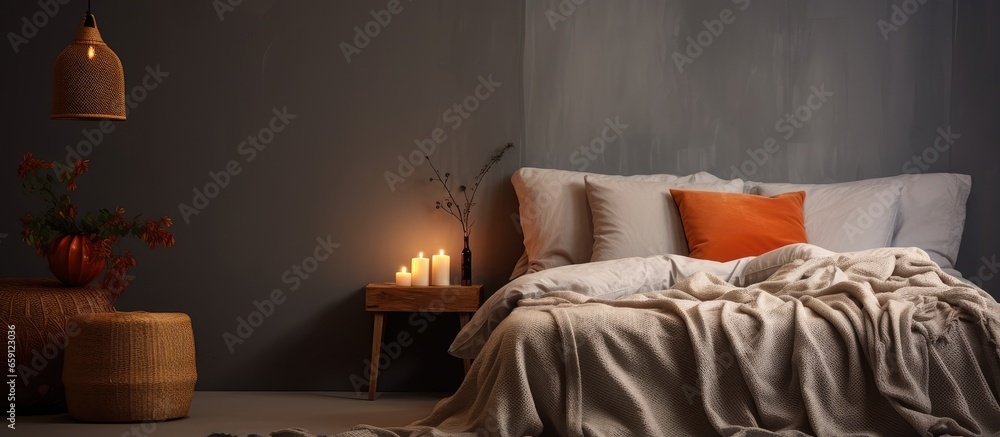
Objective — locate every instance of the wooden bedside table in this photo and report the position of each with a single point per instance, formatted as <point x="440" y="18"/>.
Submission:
<point x="384" y="297"/>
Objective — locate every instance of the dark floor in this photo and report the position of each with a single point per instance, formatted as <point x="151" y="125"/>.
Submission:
<point x="243" y="413"/>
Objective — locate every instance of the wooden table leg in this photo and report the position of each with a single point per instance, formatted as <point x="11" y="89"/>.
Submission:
<point x="463" y="319"/>
<point x="376" y="352"/>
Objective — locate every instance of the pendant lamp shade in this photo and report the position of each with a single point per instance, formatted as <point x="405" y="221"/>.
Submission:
<point x="89" y="83"/>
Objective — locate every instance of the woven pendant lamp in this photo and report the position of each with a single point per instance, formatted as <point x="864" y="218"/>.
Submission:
<point x="89" y="83"/>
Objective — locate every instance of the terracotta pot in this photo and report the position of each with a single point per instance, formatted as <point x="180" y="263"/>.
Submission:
<point x="72" y="261"/>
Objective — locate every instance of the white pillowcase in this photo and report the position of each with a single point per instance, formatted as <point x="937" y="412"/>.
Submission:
<point x="636" y="218"/>
<point x="555" y="216"/>
<point x="931" y="212"/>
<point x="847" y="217"/>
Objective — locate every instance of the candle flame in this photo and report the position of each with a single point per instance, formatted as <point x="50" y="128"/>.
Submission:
<point x="421" y="255"/>
<point x="442" y="251"/>
<point x="404" y="270"/>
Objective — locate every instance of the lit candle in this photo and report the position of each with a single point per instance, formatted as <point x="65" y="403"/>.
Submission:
<point x="403" y="278"/>
<point x="420" y="267"/>
<point x="440" y="269"/>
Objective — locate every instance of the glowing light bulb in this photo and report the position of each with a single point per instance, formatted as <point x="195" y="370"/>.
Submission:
<point x="90" y="52"/>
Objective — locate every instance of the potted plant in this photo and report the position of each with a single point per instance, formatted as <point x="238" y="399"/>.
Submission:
<point x="79" y="248"/>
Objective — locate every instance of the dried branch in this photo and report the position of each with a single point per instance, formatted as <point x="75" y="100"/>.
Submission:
<point x="463" y="215"/>
<point x="447" y="188"/>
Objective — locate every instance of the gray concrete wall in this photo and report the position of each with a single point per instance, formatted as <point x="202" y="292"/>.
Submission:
<point x="322" y="176"/>
<point x="975" y="104"/>
<point x="704" y="85"/>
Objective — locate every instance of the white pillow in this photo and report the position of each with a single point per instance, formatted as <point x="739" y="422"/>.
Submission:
<point x="634" y="218"/>
<point x="521" y="267"/>
<point x="847" y="217"/>
<point x="555" y="216"/>
<point x="931" y="212"/>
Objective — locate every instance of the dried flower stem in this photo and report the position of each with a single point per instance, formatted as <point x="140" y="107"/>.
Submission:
<point x="463" y="213"/>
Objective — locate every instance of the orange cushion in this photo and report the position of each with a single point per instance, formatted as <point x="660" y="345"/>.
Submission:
<point x="727" y="226"/>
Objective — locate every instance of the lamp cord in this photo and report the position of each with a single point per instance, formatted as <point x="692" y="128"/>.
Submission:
<point x="89" y="20"/>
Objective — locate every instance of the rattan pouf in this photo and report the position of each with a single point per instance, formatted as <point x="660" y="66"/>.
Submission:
<point x="130" y="367"/>
<point x="38" y="310"/>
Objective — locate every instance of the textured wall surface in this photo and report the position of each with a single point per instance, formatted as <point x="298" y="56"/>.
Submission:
<point x="976" y="114"/>
<point x="705" y="85"/>
<point x="557" y="75"/>
<point x="696" y="101"/>
<point x="322" y="176"/>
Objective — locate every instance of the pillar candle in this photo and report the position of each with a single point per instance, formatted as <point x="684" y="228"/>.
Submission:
<point x="403" y="278"/>
<point x="421" y="269"/>
<point x="441" y="269"/>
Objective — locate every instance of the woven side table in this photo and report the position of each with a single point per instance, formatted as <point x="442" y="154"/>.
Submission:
<point x="38" y="310"/>
<point x="130" y="367"/>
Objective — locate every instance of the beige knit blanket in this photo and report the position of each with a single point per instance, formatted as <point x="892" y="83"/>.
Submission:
<point x="876" y="343"/>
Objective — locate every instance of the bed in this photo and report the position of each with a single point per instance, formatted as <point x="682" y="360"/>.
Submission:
<point x="615" y="323"/>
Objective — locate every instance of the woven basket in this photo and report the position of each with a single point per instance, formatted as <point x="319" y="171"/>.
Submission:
<point x="39" y="309"/>
<point x="130" y="367"/>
